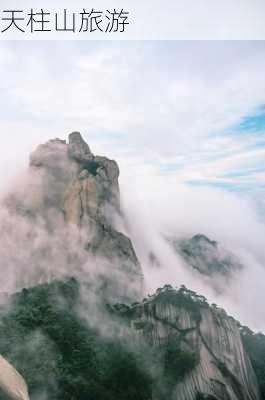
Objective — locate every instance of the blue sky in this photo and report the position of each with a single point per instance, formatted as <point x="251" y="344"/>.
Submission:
<point x="251" y="130"/>
<point x="192" y="112"/>
<point x="253" y="123"/>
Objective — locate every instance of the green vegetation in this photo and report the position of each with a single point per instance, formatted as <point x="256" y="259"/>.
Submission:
<point x="177" y="362"/>
<point x="60" y="357"/>
<point x="91" y="167"/>
<point x="201" y="396"/>
<point x="182" y="298"/>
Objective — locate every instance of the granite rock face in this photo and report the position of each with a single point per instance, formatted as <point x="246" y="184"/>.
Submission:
<point x="220" y="368"/>
<point x="70" y="190"/>
<point x="70" y="178"/>
<point x="12" y="385"/>
<point x="78" y="149"/>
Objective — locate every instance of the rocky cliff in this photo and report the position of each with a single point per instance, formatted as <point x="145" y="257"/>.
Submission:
<point x="203" y="354"/>
<point x="66" y="206"/>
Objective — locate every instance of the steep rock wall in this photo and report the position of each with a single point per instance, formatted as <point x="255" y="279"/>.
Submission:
<point x="221" y="367"/>
<point x="12" y="385"/>
<point x="72" y="196"/>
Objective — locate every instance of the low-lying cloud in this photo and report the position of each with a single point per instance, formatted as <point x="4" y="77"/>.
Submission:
<point x="157" y="208"/>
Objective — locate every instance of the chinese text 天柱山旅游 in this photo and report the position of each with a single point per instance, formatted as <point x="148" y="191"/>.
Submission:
<point x="83" y="21"/>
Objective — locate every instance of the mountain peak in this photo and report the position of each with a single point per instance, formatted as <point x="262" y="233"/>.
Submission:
<point x="78" y="149"/>
<point x="203" y="239"/>
<point x="68" y="188"/>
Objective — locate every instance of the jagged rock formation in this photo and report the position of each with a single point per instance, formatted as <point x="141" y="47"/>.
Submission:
<point x="12" y="385"/>
<point x="203" y="338"/>
<point x="95" y="186"/>
<point x="73" y="180"/>
<point x="70" y="191"/>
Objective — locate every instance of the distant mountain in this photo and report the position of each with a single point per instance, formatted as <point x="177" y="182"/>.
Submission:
<point x="206" y="256"/>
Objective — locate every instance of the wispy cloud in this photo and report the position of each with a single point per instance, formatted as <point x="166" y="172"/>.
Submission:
<point x="192" y="110"/>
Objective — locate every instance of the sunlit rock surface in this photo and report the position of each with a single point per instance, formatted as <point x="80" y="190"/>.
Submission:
<point x="67" y="205"/>
<point x="12" y="385"/>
